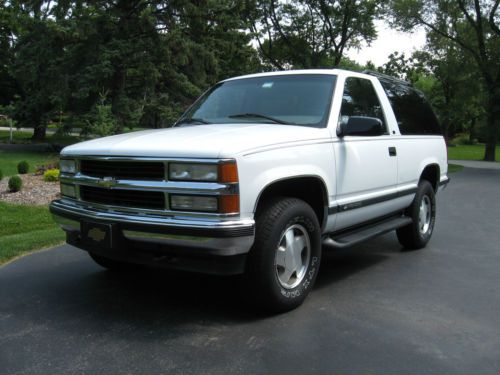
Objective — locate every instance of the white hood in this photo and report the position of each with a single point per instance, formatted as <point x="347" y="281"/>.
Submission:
<point x="200" y="141"/>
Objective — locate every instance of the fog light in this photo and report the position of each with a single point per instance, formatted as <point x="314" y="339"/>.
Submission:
<point x="68" y="190"/>
<point x="193" y="203"/>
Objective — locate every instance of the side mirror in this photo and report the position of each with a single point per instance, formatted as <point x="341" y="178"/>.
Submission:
<point x="361" y="126"/>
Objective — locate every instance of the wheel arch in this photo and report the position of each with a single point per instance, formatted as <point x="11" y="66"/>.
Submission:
<point x="309" y="188"/>
<point x="431" y="173"/>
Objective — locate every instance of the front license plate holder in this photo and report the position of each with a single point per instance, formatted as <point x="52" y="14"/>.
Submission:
<point x="97" y="234"/>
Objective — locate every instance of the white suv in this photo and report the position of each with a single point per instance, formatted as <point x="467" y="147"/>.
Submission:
<point x="256" y="176"/>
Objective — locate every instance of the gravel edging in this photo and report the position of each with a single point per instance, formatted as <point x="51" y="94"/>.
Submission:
<point x="35" y="191"/>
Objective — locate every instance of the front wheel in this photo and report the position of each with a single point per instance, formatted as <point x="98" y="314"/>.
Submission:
<point x="284" y="261"/>
<point x="423" y="213"/>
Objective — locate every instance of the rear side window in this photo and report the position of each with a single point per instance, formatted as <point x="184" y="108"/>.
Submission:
<point x="360" y="99"/>
<point x="413" y="113"/>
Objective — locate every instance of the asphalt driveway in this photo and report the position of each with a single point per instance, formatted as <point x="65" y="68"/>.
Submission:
<point x="374" y="309"/>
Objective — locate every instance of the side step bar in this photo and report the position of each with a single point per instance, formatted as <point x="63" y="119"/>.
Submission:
<point x="350" y="238"/>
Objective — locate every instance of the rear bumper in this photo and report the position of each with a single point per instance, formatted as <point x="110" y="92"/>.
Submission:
<point x="192" y="244"/>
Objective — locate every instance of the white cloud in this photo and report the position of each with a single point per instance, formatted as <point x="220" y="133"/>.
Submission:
<point x="387" y="42"/>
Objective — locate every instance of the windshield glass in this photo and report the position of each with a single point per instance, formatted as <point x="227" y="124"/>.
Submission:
<point x="298" y="99"/>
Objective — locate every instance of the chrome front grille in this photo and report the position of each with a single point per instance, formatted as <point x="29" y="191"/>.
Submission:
<point x="138" y="185"/>
<point x="124" y="170"/>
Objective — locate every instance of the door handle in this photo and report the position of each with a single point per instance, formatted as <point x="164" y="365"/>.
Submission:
<point x="392" y="151"/>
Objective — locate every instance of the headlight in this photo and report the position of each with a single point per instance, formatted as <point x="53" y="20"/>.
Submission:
<point x="68" y="190"/>
<point x="67" y="166"/>
<point x="193" y="203"/>
<point x="193" y="172"/>
<point x="225" y="172"/>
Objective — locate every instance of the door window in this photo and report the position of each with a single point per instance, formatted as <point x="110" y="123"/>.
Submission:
<point x="360" y="99"/>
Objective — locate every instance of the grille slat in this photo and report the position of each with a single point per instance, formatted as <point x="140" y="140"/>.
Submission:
<point x="129" y="170"/>
<point x="125" y="198"/>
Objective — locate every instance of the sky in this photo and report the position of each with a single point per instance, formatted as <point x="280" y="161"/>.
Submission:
<point x="387" y="42"/>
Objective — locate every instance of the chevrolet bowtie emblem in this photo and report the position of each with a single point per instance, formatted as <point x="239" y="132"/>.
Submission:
<point x="96" y="234"/>
<point x="106" y="182"/>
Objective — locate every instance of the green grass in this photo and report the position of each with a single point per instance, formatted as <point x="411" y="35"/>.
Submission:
<point x="10" y="159"/>
<point x="470" y="152"/>
<point x="26" y="228"/>
<point x="452" y="168"/>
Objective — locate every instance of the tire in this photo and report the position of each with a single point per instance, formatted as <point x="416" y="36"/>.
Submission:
<point x="110" y="264"/>
<point x="423" y="213"/>
<point x="279" y="274"/>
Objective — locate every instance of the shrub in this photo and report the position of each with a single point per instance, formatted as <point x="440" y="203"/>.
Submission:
<point x="23" y="167"/>
<point x="15" y="184"/>
<point x="51" y="175"/>
<point x="1" y="175"/>
<point x="40" y="169"/>
<point x="463" y="139"/>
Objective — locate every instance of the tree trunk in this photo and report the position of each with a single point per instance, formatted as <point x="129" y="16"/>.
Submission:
<point x="471" y="130"/>
<point x="39" y="133"/>
<point x="491" y="142"/>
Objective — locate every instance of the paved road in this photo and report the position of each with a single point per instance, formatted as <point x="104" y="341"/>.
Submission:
<point x="374" y="309"/>
<point x="476" y="164"/>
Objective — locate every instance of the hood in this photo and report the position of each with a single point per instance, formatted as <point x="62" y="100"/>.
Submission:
<point x="200" y="141"/>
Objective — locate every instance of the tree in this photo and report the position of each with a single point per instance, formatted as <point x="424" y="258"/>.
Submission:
<point x="473" y="26"/>
<point x="311" y="33"/>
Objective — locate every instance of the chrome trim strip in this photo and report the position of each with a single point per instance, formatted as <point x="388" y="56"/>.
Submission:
<point x="177" y="222"/>
<point x="167" y="186"/>
<point x="141" y="211"/>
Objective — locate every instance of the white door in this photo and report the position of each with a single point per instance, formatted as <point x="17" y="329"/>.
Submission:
<point x="366" y="166"/>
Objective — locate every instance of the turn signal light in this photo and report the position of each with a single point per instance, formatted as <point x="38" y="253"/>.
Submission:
<point x="228" y="172"/>
<point x="229" y="204"/>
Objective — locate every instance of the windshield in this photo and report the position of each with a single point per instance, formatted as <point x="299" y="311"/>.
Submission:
<point x="298" y="99"/>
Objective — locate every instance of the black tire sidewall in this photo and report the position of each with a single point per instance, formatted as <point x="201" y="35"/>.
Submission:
<point x="297" y="212"/>
<point x="425" y="189"/>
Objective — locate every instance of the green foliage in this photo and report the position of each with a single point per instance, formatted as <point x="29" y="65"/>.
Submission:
<point x="23" y="167"/>
<point x="1" y="175"/>
<point x="51" y="175"/>
<point x="312" y="33"/>
<point x="463" y="139"/>
<point x="151" y="58"/>
<point x="15" y="184"/>
<point x="10" y="159"/>
<point x="102" y="121"/>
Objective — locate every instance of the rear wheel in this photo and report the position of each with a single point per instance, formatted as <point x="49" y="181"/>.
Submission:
<point x="284" y="261"/>
<point x="423" y="212"/>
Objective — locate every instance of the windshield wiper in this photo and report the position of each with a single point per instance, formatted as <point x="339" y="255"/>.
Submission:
<point x="258" y="115"/>
<point x="192" y="120"/>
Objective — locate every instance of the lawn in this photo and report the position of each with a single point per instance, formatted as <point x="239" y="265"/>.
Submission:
<point x="26" y="228"/>
<point x="469" y="152"/>
<point x="10" y="159"/>
<point x="25" y="137"/>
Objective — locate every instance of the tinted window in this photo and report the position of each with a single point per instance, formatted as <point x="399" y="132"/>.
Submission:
<point x="360" y="99"/>
<point x="412" y="111"/>
<point x="298" y="99"/>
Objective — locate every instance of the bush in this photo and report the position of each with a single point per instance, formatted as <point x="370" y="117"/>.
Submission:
<point x="15" y="184"/>
<point x="40" y="169"/>
<point x="51" y="175"/>
<point x="23" y="167"/>
<point x="463" y="139"/>
<point x="1" y="175"/>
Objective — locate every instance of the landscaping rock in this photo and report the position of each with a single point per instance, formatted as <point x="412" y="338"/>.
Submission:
<point x="35" y="191"/>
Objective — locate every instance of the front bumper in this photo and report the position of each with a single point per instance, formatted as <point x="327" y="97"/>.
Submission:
<point x="202" y="245"/>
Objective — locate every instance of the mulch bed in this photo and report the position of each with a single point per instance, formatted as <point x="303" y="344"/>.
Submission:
<point x="35" y="191"/>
